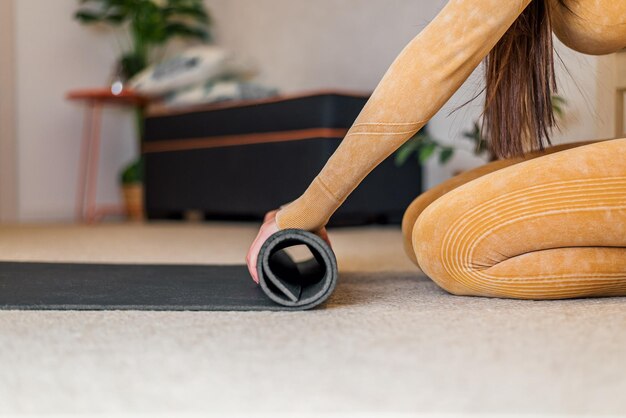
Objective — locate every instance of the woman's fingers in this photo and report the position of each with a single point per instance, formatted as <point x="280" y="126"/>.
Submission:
<point x="270" y="215"/>
<point x="251" y="259"/>
<point x="268" y="228"/>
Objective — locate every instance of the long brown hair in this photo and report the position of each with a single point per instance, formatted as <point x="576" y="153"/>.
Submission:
<point x="518" y="114"/>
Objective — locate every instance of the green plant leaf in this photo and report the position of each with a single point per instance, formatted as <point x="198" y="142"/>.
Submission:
<point x="407" y="149"/>
<point x="427" y="151"/>
<point x="446" y="154"/>
<point x="133" y="172"/>
<point x="132" y="64"/>
<point x="558" y="105"/>
<point x="116" y="18"/>
<point x="88" y="17"/>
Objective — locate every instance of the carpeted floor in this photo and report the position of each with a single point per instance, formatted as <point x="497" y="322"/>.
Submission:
<point x="389" y="341"/>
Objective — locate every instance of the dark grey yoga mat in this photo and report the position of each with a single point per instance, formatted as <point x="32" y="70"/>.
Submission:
<point x="284" y="284"/>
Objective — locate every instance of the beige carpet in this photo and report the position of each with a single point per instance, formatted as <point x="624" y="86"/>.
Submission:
<point x="389" y="341"/>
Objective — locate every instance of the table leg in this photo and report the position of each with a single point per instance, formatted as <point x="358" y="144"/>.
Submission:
<point x="87" y="209"/>
<point x="84" y="163"/>
<point x="93" y="166"/>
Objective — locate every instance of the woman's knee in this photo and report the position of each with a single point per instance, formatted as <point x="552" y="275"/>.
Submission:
<point x="417" y="207"/>
<point x="427" y="241"/>
<point x="476" y="239"/>
<point x="411" y="214"/>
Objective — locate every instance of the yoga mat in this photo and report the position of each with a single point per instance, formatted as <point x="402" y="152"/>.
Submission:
<point x="284" y="284"/>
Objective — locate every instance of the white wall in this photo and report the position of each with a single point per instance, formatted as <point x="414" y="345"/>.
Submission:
<point x="55" y="54"/>
<point x="298" y="45"/>
<point x="8" y="166"/>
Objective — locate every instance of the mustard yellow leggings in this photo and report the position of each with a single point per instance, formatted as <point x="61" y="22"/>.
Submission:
<point x="548" y="226"/>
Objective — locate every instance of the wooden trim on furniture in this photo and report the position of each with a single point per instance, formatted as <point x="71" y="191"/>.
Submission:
<point x="8" y="142"/>
<point x="234" y="140"/>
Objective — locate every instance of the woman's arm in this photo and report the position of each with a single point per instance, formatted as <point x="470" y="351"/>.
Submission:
<point x="419" y="82"/>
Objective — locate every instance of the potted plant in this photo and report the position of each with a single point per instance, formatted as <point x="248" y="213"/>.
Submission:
<point x="143" y="28"/>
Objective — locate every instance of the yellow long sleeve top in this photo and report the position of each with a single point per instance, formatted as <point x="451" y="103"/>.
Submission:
<point x="424" y="77"/>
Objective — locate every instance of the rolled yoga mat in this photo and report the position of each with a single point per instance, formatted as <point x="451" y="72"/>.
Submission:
<point x="301" y="285"/>
<point x="284" y="283"/>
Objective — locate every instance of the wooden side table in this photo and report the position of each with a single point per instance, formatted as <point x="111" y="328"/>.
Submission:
<point x="87" y="209"/>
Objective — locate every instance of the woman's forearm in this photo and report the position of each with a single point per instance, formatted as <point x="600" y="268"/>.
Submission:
<point x="419" y="82"/>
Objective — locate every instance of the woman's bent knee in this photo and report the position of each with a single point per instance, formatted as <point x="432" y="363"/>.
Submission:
<point x="489" y="236"/>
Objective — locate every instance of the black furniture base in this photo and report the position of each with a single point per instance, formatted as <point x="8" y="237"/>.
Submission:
<point x="240" y="161"/>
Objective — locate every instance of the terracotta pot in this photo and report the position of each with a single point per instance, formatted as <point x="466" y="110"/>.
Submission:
<point x="133" y="201"/>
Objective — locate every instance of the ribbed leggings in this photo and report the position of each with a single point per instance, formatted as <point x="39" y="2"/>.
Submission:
<point x="549" y="226"/>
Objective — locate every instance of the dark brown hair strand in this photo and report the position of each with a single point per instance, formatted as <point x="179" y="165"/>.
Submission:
<point x="518" y="115"/>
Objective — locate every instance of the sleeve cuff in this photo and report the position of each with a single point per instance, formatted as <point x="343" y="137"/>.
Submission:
<point x="310" y="211"/>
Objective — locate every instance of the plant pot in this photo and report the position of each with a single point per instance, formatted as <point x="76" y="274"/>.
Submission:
<point x="133" y="201"/>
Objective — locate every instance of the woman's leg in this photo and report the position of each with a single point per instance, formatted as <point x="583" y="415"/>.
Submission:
<point x="422" y="201"/>
<point x="549" y="228"/>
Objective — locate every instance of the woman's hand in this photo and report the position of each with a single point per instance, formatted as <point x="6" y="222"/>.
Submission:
<point x="268" y="229"/>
